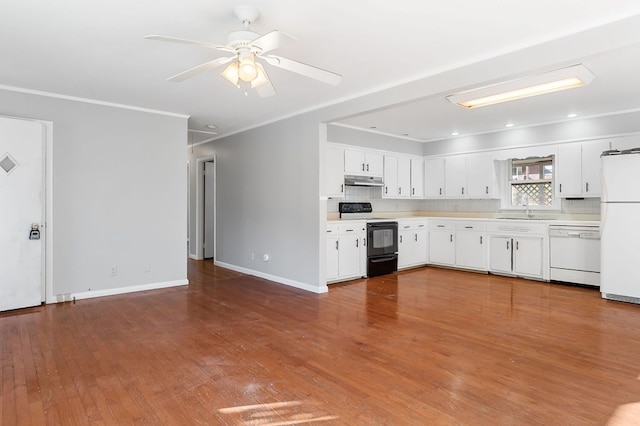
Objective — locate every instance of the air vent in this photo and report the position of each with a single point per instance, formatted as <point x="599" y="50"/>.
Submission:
<point x="8" y="164"/>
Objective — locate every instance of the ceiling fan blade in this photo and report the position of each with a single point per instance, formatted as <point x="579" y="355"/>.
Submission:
<point x="185" y="41"/>
<point x="269" y="41"/>
<point x="199" y="69"/>
<point x="304" y="69"/>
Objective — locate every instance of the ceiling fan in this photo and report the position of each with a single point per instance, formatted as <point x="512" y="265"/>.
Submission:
<point x="246" y="47"/>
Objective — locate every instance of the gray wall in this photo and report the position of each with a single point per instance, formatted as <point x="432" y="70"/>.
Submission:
<point x="119" y="193"/>
<point x="267" y="183"/>
<point x="350" y="136"/>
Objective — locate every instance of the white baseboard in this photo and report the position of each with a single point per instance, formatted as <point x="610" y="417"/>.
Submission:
<point x="115" y="291"/>
<point x="280" y="280"/>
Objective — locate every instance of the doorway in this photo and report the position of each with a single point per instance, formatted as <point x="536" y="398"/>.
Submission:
<point x="208" y="212"/>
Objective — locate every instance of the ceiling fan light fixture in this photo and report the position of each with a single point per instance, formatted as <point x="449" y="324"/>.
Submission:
<point x="261" y="77"/>
<point x="564" y="78"/>
<point x="231" y="73"/>
<point x="247" y="70"/>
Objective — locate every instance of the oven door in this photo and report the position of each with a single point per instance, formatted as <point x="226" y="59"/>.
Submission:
<point x="382" y="238"/>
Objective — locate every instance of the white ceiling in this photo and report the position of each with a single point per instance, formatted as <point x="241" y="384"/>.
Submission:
<point x="95" y="49"/>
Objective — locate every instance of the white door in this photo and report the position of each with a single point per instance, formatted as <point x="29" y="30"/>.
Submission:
<point x="209" y="210"/>
<point x="21" y="195"/>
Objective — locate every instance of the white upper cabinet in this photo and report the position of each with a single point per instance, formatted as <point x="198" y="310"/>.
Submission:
<point x="335" y="172"/>
<point x="578" y="169"/>
<point x="403" y="177"/>
<point x="455" y="176"/>
<point x="390" y="188"/>
<point x="417" y="177"/>
<point x="434" y="178"/>
<point x="362" y="162"/>
<point x="481" y="176"/>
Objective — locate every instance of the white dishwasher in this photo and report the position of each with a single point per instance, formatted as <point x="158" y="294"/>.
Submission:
<point x="574" y="254"/>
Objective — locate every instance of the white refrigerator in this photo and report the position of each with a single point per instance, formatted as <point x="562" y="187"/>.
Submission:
<point x="620" y="226"/>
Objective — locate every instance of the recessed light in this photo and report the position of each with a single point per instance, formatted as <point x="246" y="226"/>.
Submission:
<point x="509" y="125"/>
<point x="454" y="133"/>
<point x="210" y="126"/>
<point x="572" y="115"/>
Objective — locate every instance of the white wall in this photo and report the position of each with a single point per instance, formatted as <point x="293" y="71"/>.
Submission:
<point x="267" y="183"/>
<point x="119" y="194"/>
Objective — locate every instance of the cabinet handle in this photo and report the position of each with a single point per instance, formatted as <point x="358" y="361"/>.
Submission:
<point x="399" y="190"/>
<point x="358" y="242"/>
<point x="364" y="242"/>
<point x="560" y="187"/>
<point x="363" y="167"/>
<point x="440" y="226"/>
<point x="486" y="189"/>
<point x="517" y="245"/>
<point x="587" y="184"/>
<point x="463" y="190"/>
<point x="342" y="188"/>
<point x="451" y="237"/>
<point x="440" y="191"/>
<point x="480" y="239"/>
<point x="401" y="239"/>
<point x="507" y="245"/>
<point x="415" y="236"/>
<point x="413" y="190"/>
<point x="337" y="244"/>
<point x="386" y="190"/>
<point x="367" y="167"/>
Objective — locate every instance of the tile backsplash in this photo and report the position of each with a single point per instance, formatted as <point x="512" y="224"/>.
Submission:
<point x="590" y="206"/>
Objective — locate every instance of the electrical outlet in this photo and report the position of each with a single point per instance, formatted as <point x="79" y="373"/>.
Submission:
<point x="113" y="271"/>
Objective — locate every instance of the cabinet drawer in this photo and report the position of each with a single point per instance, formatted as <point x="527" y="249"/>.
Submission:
<point x="351" y="228"/>
<point x="434" y="226"/>
<point x="411" y="224"/>
<point x="470" y="226"/>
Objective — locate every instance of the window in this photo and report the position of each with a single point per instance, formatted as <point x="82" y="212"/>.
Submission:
<point x="531" y="182"/>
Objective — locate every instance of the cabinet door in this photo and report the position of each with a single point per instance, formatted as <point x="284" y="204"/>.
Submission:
<point x="404" y="176"/>
<point x="332" y="258"/>
<point x="442" y="247"/>
<point x="421" y="246"/>
<point x="470" y="250"/>
<point x="354" y="162"/>
<point x="568" y="176"/>
<point x="591" y="167"/>
<point x="335" y="172"/>
<point x="455" y="176"/>
<point x="390" y="189"/>
<point x="417" y="177"/>
<point x="527" y="256"/>
<point x="500" y="254"/>
<point x="349" y="262"/>
<point x="374" y="164"/>
<point x="480" y="176"/>
<point x="434" y="178"/>
<point x="405" y="248"/>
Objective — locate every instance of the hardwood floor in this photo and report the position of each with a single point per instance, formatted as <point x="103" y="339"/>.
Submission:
<point x="426" y="346"/>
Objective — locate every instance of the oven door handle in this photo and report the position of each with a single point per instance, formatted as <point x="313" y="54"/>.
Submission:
<point x="382" y="259"/>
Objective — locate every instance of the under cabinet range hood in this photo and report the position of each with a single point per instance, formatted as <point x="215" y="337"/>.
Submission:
<point x="353" y="180"/>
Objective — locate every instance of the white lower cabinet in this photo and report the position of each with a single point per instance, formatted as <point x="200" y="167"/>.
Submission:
<point x="471" y="246"/>
<point x="442" y="246"/>
<point x="412" y="243"/>
<point x="517" y="255"/>
<point x="459" y="244"/>
<point x="346" y="251"/>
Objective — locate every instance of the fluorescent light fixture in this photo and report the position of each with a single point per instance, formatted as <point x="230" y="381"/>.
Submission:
<point x="509" y="125"/>
<point x="572" y="115"/>
<point x="564" y="78"/>
<point x="454" y="133"/>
